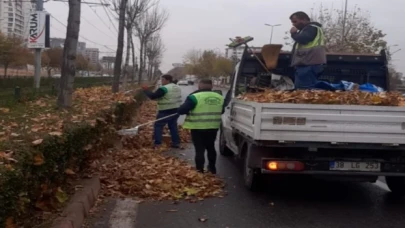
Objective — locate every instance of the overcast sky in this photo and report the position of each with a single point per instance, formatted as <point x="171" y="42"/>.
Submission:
<point x="208" y="24"/>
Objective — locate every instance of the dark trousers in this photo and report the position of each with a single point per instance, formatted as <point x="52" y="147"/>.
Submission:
<point x="172" y="124"/>
<point x="205" y="140"/>
<point x="307" y="76"/>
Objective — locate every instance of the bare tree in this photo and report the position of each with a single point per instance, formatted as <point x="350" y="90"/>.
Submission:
<point x="154" y="51"/>
<point x="120" y="45"/>
<point x="134" y="9"/>
<point x="134" y="65"/>
<point x="69" y="55"/>
<point x="147" y="25"/>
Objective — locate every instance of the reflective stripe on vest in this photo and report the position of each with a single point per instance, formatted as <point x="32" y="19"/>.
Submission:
<point x="318" y="41"/>
<point x="207" y="112"/>
<point x="172" y="98"/>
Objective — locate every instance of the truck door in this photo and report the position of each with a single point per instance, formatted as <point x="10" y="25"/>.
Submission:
<point x="226" y="117"/>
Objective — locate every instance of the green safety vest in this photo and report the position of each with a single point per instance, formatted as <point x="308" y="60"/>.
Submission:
<point x="318" y="41"/>
<point x="207" y="112"/>
<point x="311" y="53"/>
<point x="171" y="99"/>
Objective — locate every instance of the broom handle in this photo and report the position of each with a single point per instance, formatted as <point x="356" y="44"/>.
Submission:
<point x="156" y="120"/>
<point x="258" y="59"/>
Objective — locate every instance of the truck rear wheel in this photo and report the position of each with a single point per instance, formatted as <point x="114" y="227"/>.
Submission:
<point x="251" y="176"/>
<point x="396" y="185"/>
<point x="223" y="149"/>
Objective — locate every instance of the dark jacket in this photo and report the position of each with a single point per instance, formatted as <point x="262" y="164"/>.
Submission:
<point x="189" y="104"/>
<point x="311" y="56"/>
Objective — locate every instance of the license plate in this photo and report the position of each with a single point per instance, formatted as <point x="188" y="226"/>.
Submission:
<point x="355" y="166"/>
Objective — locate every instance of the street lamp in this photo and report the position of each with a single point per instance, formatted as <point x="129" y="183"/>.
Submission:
<point x="396" y="51"/>
<point x="272" y="26"/>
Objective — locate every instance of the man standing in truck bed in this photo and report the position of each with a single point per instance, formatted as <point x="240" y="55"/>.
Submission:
<point x="309" y="53"/>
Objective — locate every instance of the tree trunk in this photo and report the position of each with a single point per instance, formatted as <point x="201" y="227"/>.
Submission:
<point x="150" y="71"/>
<point x="49" y="72"/>
<point x="5" y="70"/>
<point x="69" y="55"/>
<point x="129" y="34"/>
<point x="120" y="47"/>
<point x="141" y="60"/>
<point x="133" y="60"/>
<point x="144" y="57"/>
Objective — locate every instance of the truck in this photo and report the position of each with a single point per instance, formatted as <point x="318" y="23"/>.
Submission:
<point x="348" y="142"/>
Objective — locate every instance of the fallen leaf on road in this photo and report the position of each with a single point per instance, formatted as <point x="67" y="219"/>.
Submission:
<point x="38" y="159"/>
<point x="172" y="210"/>
<point x="37" y="142"/>
<point x="69" y="172"/>
<point x="56" y="133"/>
<point x="4" y="110"/>
<point x="10" y="223"/>
<point x="61" y="196"/>
<point x="202" y="219"/>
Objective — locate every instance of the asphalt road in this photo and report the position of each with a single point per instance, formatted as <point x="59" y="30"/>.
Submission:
<point x="289" y="202"/>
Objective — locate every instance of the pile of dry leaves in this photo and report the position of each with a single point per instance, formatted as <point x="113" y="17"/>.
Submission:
<point x="140" y="171"/>
<point x="355" y="97"/>
<point x="31" y="122"/>
<point x="41" y="117"/>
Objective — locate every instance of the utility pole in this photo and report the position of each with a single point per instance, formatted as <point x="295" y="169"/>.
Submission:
<point x="344" y="23"/>
<point x="272" y="27"/>
<point x="37" y="74"/>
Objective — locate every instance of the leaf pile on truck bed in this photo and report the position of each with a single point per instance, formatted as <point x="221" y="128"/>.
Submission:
<point x="355" y="97"/>
<point x="138" y="170"/>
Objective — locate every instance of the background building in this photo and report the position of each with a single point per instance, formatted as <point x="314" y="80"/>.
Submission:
<point x="107" y="62"/>
<point x="14" y="17"/>
<point x="238" y="51"/>
<point x="230" y="52"/>
<point x="93" y="55"/>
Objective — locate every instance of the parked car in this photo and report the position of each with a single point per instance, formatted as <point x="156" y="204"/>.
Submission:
<point x="190" y="82"/>
<point x="182" y="82"/>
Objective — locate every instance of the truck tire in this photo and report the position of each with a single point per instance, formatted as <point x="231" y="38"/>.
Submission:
<point x="396" y="185"/>
<point x="251" y="176"/>
<point x="223" y="149"/>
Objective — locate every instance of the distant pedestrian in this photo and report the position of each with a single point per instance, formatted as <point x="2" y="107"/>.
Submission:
<point x="168" y="98"/>
<point x="203" y="109"/>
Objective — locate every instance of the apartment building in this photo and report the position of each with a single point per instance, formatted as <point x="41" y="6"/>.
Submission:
<point x="93" y="55"/>
<point x="14" y="17"/>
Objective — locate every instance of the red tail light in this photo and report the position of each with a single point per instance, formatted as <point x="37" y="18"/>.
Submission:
<point x="284" y="165"/>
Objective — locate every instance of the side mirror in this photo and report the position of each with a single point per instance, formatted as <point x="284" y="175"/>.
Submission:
<point x="218" y="91"/>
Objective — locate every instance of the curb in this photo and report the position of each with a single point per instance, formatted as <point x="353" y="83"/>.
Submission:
<point x="79" y="205"/>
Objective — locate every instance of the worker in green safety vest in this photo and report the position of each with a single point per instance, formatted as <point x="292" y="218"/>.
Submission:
<point x="203" y="109"/>
<point x="169" y="99"/>
<point x="309" y="53"/>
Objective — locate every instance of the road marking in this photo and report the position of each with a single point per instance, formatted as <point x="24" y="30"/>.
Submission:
<point x="382" y="185"/>
<point x="124" y="214"/>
